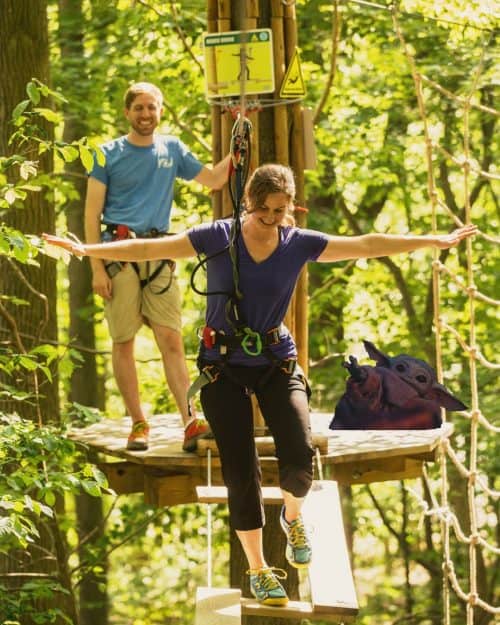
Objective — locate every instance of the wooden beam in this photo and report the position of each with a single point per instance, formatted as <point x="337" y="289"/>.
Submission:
<point x="293" y="610"/>
<point x="218" y="494"/>
<point x="382" y="470"/>
<point x="264" y="444"/>
<point x="123" y="477"/>
<point x="169" y="490"/>
<point x="330" y="575"/>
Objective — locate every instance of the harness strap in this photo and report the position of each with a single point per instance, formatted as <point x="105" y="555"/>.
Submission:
<point x="151" y="276"/>
<point x="211" y="372"/>
<point x="118" y="232"/>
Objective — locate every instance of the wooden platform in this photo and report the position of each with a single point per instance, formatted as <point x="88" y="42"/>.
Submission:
<point x="168" y="476"/>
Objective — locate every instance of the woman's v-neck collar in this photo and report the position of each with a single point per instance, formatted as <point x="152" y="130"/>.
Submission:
<point x="264" y="260"/>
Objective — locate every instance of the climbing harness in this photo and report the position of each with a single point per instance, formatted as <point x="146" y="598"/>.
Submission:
<point x="252" y="343"/>
<point x="120" y="232"/>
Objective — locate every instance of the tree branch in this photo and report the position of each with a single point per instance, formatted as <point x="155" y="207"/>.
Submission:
<point x="336" y="21"/>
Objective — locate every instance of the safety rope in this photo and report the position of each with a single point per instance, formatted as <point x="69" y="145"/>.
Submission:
<point x="477" y="483"/>
<point x="209" y="520"/>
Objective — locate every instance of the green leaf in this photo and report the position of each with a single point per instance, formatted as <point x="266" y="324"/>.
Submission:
<point x="49" y="497"/>
<point x="100" y="156"/>
<point x="91" y="488"/>
<point x="68" y="152"/>
<point x="49" y="115"/>
<point x="27" y="363"/>
<point x="33" y="92"/>
<point x="86" y="157"/>
<point x="20" y="108"/>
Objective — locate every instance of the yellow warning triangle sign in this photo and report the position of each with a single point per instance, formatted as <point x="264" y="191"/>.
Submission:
<point x="293" y="83"/>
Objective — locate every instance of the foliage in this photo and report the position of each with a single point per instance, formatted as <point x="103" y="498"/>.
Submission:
<point x="158" y="580"/>
<point x="39" y="465"/>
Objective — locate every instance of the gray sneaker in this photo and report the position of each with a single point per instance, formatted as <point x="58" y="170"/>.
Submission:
<point x="298" y="547"/>
<point x="265" y="585"/>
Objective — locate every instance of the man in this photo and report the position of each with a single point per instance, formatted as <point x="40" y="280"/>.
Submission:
<point x="131" y="195"/>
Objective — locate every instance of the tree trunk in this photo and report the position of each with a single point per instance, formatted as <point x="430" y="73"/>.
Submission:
<point x="24" y="55"/>
<point x="85" y="383"/>
<point x="272" y="141"/>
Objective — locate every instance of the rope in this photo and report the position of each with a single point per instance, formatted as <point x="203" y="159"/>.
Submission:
<point x="319" y="464"/>
<point x="209" y="521"/>
<point x="476" y="483"/>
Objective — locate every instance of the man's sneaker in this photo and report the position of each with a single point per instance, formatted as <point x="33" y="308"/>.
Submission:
<point x="196" y="429"/>
<point x="298" y="548"/>
<point x="138" y="437"/>
<point x="266" y="588"/>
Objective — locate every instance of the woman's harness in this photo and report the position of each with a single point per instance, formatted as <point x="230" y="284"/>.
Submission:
<point x="253" y="343"/>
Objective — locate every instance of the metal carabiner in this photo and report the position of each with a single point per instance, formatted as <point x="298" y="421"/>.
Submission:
<point x="251" y="335"/>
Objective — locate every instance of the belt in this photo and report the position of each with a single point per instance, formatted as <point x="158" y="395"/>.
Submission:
<point x="248" y="339"/>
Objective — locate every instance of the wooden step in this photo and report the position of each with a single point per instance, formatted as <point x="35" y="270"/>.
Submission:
<point x="265" y="445"/>
<point x="293" y="610"/>
<point x="218" y="606"/>
<point x="218" y="494"/>
<point x="330" y="574"/>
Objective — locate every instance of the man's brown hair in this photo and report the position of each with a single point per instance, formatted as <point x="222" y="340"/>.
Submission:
<point x="142" y="87"/>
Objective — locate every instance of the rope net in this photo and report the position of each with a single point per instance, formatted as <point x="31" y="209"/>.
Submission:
<point x="477" y="484"/>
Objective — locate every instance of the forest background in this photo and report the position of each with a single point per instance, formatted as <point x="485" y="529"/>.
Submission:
<point x="71" y="551"/>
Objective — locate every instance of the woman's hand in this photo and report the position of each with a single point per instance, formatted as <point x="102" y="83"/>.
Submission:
<point x="443" y="241"/>
<point x="70" y="245"/>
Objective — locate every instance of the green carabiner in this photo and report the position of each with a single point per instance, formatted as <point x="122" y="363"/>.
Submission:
<point x="250" y="335"/>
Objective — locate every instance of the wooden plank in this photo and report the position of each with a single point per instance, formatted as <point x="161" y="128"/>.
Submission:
<point x="169" y="490"/>
<point x="293" y="610"/>
<point x="351" y="445"/>
<point x="109" y="436"/>
<point x="218" y="494"/>
<point x="264" y="444"/>
<point x="378" y="470"/>
<point x="330" y="575"/>
<point x="218" y="606"/>
<point x="123" y="477"/>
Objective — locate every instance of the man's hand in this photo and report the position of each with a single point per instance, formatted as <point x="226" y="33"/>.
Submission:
<point x="101" y="282"/>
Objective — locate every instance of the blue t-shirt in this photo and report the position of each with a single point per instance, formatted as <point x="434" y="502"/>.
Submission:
<point x="267" y="286"/>
<point x="140" y="180"/>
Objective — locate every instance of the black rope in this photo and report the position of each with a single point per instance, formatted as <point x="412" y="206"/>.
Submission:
<point x="240" y="166"/>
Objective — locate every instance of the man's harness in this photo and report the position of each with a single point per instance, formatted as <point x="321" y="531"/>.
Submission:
<point x="119" y="232"/>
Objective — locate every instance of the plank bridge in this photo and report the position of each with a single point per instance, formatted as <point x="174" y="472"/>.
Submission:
<point x="169" y="476"/>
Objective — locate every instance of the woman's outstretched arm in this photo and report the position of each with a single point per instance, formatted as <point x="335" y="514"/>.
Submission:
<point x="175" y="246"/>
<point x="376" y="245"/>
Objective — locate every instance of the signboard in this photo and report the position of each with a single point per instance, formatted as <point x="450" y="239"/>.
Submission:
<point x="293" y="82"/>
<point x="237" y="61"/>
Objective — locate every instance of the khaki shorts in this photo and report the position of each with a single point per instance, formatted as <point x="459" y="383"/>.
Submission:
<point x="131" y="306"/>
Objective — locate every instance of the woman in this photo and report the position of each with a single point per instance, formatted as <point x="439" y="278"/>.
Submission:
<point x="246" y="348"/>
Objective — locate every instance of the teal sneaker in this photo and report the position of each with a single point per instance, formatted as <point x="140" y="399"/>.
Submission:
<point x="298" y="548"/>
<point x="266" y="588"/>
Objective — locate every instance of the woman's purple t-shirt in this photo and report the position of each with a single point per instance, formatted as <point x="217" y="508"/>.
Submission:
<point x="267" y="286"/>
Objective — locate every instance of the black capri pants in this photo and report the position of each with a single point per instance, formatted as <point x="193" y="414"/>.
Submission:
<point x="284" y="403"/>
